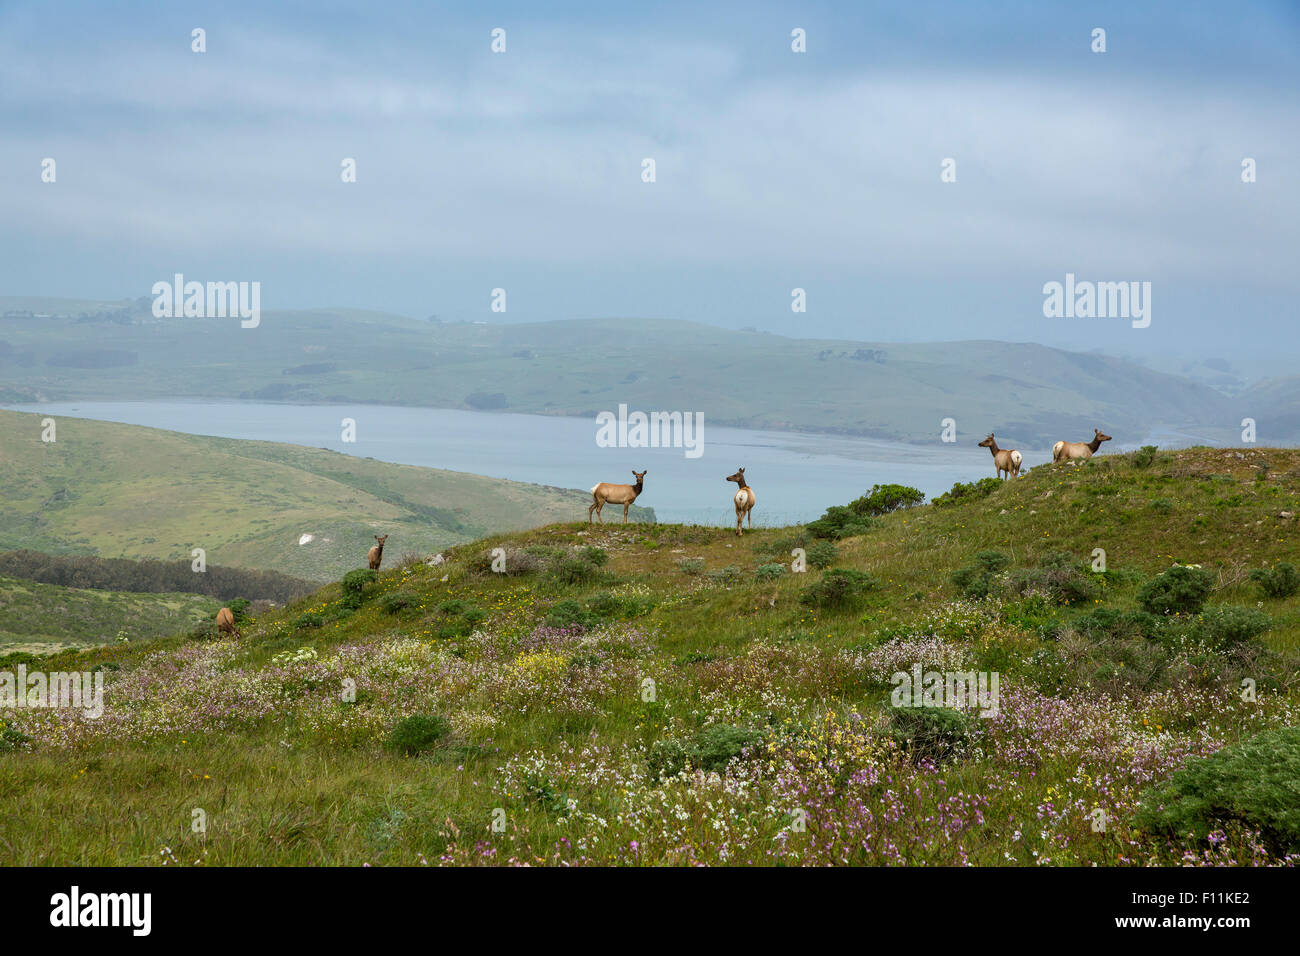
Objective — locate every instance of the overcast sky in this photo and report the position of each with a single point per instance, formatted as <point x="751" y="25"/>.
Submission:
<point x="522" y="170"/>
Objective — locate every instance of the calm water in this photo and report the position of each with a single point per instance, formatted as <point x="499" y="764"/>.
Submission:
<point x="795" y="476"/>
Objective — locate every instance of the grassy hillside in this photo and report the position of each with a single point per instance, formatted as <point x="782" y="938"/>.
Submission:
<point x="1028" y="393"/>
<point x="41" y="618"/>
<point x="670" y="694"/>
<point x="125" y="491"/>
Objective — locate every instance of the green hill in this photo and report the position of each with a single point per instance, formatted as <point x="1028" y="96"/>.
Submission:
<point x="1029" y="393"/>
<point x="666" y="694"/>
<point x="125" y="491"/>
<point x="41" y="618"/>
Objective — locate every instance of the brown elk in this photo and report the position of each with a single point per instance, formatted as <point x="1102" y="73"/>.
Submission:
<point x="605" y="493"/>
<point x="744" y="499"/>
<point x="377" y="552"/>
<point x="1004" y="459"/>
<point x="226" y="623"/>
<point x="1078" y="450"/>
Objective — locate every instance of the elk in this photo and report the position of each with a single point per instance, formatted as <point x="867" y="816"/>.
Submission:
<point x="1078" y="450"/>
<point x="743" y="499"/>
<point x="226" y="623"/>
<point x="377" y="552"/>
<point x="605" y="493"/>
<point x="1004" y="459"/>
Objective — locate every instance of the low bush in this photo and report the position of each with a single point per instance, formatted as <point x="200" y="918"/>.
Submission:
<point x="1252" y="783"/>
<point x="397" y="601"/>
<point x="930" y="733"/>
<point x="1226" y="626"/>
<point x="1183" y="589"/>
<point x="354" y="586"/>
<point x="1281" y="581"/>
<point x="709" y="750"/>
<point x="837" y="588"/>
<point x="821" y="554"/>
<point x="968" y="491"/>
<point x="417" y="734"/>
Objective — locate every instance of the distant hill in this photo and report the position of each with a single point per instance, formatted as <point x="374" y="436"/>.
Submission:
<point x="1029" y="393"/>
<point x="124" y="491"/>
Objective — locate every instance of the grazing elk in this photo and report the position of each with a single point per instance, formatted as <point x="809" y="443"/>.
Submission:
<point x="744" y="499"/>
<point x="605" y="493"/>
<point x="377" y="552"/>
<point x="226" y="623"/>
<point x="1078" y="450"/>
<point x="1004" y="459"/>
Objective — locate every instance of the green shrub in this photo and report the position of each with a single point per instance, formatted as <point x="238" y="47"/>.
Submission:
<point x="968" y="491"/>
<point x="821" y="554"/>
<point x="1107" y="623"/>
<point x="1162" y="506"/>
<point x="1057" y="576"/>
<point x="418" y="733"/>
<point x="1183" y="589"/>
<point x="461" y="617"/>
<point x="1228" y="625"/>
<point x="843" y="521"/>
<point x="1277" y="582"/>
<point x="1252" y="783"/>
<point x="581" y="566"/>
<point x="691" y="566"/>
<point x="976" y="580"/>
<point x="1144" y="456"/>
<point x="570" y="613"/>
<point x="239" y="608"/>
<point x="769" y="572"/>
<point x="397" y="601"/>
<point x="728" y="575"/>
<point x="882" y="499"/>
<point x="837" y="588"/>
<point x="930" y="733"/>
<point x="709" y="750"/>
<point x="354" y="586"/>
<point x="307" y="620"/>
<point x="13" y="739"/>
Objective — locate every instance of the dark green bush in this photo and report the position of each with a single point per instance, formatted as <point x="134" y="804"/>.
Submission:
<point x="354" y="586"/>
<point x="1228" y="625"/>
<point x="397" y="601"/>
<point x="1144" y="456"/>
<point x="968" y="491"/>
<point x="1183" y="589"/>
<point x="1107" y="623"/>
<point x="821" y="554"/>
<point x="976" y="580"/>
<point x="1281" y="581"/>
<point x="837" y="588"/>
<point x="239" y="609"/>
<point x="709" y="750"/>
<point x="769" y="572"/>
<point x="930" y="733"/>
<point x="570" y="613"/>
<point x="307" y="620"/>
<point x="1058" y="576"/>
<point x="843" y="521"/>
<point x="1253" y="783"/>
<point x="581" y="566"/>
<point x="418" y="733"/>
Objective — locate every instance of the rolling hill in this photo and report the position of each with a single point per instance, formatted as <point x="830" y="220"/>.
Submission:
<point x="580" y="367"/>
<point x="676" y="695"/>
<point x="124" y="491"/>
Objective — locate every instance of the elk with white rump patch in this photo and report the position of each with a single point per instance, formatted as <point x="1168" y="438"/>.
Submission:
<point x="743" y="499"/>
<point x="605" y="493"/>
<point x="1078" y="450"/>
<point x="1004" y="459"/>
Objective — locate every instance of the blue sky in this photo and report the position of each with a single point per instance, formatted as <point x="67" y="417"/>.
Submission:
<point x="774" y="169"/>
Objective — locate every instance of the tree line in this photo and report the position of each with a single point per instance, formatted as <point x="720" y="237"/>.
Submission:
<point x="150" y="576"/>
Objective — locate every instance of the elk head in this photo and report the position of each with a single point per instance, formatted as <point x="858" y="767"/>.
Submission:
<point x="988" y="442"/>
<point x="738" y="477"/>
<point x="1099" y="436"/>
<point x="381" y="540"/>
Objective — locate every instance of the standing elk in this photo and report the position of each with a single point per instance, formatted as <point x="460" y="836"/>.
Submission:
<point x="1004" y="459"/>
<point x="377" y="552"/>
<point x="744" y="499"/>
<point x="226" y="623"/>
<point x="605" y="493"/>
<point x="1078" y="450"/>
